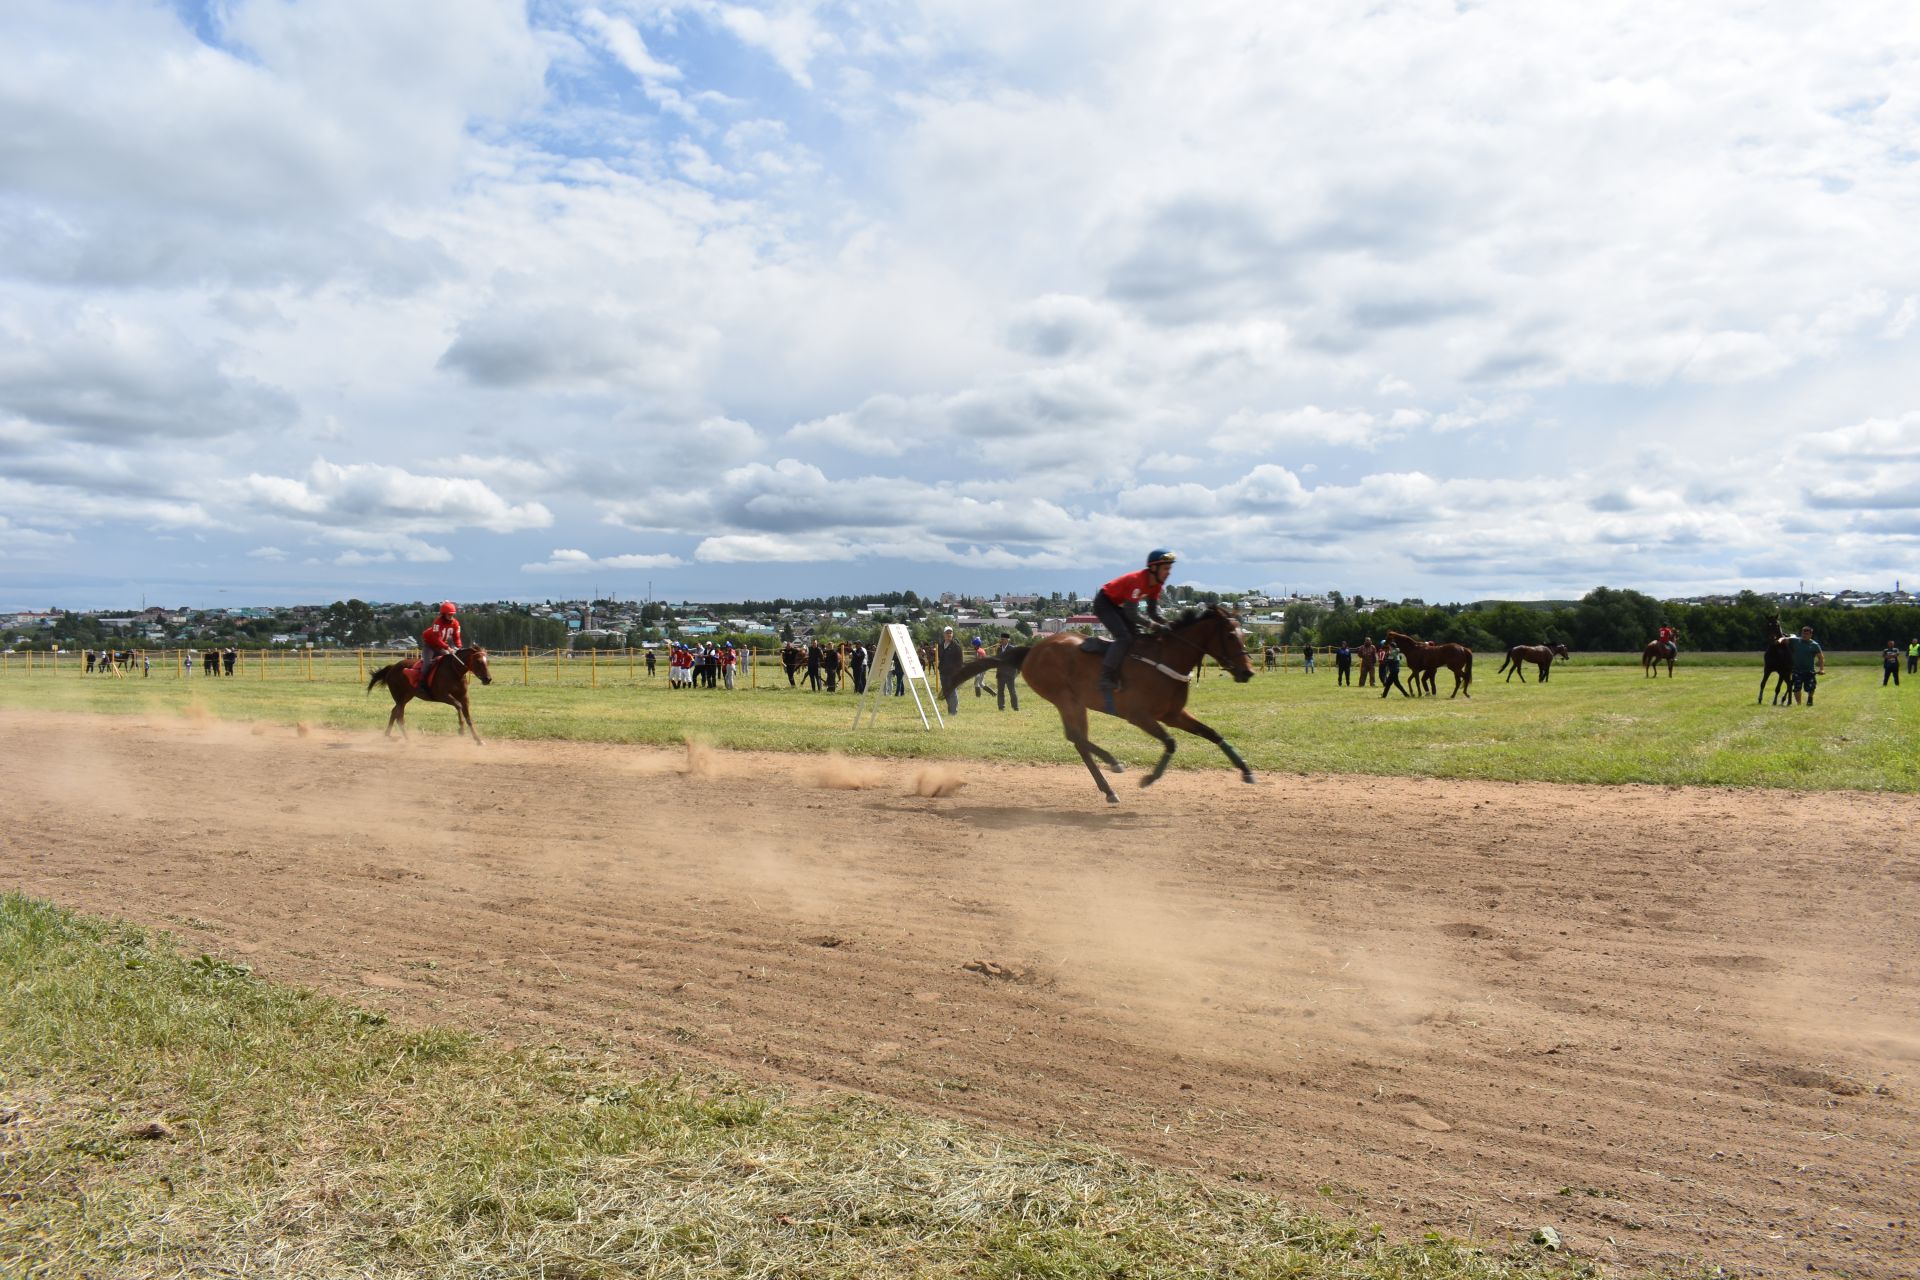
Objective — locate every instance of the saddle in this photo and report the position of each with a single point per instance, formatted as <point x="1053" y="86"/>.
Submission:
<point x="413" y="674"/>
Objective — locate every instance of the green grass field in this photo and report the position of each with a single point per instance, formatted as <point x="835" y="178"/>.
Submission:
<point x="167" y="1115"/>
<point x="1598" y="720"/>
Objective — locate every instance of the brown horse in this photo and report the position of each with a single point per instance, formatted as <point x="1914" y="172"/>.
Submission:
<point x="1424" y="659"/>
<point x="448" y="684"/>
<point x="1777" y="661"/>
<point x="1540" y="655"/>
<point x="1065" y="670"/>
<point x="1656" y="652"/>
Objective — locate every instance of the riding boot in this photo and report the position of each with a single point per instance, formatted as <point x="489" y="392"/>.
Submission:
<point x="1110" y="672"/>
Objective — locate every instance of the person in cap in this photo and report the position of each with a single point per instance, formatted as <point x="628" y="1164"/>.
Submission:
<point x="1117" y="605"/>
<point x="441" y="637"/>
<point x="951" y="658"/>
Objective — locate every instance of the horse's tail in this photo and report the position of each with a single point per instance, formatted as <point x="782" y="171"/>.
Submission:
<point x="1011" y="660"/>
<point x="379" y="675"/>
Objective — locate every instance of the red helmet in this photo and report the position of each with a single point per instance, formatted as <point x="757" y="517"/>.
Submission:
<point x="446" y="607"/>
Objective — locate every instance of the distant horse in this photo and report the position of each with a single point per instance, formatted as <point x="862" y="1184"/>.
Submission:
<point x="1658" y="651"/>
<point x="1777" y="660"/>
<point x="1540" y="655"/>
<point x="1424" y="659"/>
<point x="447" y="684"/>
<point x="1064" y="668"/>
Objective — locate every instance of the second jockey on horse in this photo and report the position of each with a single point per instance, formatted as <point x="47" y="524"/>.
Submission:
<point x="441" y="637"/>
<point x="1114" y="605"/>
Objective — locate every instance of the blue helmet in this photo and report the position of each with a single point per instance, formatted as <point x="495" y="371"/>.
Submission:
<point x="1160" y="555"/>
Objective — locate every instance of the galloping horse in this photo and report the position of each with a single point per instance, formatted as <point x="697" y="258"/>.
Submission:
<point x="447" y="684"/>
<point x="1777" y="660"/>
<point x="1540" y="655"/>
<point x="1658" y="651"/>
<point x="1065" y="670"/>
<point x="1424" y="659"/>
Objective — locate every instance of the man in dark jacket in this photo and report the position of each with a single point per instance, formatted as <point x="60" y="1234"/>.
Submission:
<point x="952" y="658"/>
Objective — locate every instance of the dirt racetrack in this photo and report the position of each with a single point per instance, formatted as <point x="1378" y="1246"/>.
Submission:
<point x="1680" y="1026"/>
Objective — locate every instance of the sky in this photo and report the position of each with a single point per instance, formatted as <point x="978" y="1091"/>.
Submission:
<point x="700" y="300"/>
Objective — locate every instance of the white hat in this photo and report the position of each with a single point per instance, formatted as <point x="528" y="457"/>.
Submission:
<point x="946" y="630"/>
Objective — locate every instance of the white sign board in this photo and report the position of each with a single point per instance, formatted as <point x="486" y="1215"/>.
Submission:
<point x="896" y="644"/>
<point x="903" y="649"/>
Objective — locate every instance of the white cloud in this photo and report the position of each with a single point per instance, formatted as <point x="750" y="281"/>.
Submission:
<point x="1009" y="289"/>
<point x="566" y="560"/>
<point x="388" y="499"/>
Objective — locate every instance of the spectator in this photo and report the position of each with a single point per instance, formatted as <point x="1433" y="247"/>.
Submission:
<point x="1306" y="658"/>
<point x="649" y="664"/>
<point x="1006" y="679"/>
<point x="1368" y="654"/>
<point x="980" y="678"/>
<point x="228" y="658"/>
<point x="1913" y="656"/>
<point x="859" y="659"/>
<point x="186" y="661"/>
<point x="1890" y="665"/>
<point x="727" y="658"/>
<point x="813" y="665"/>
<point x="952" y="658"/>
<point x="1809" y="664"/>
<point x="1343" y="664"/>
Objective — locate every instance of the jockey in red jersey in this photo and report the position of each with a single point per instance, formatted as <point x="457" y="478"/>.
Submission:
<point x="1114" y="604"/>
<point x="441" y="637"/>
<point x="1667" y="637"/>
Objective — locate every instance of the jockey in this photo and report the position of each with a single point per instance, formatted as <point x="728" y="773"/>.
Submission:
<point x="1666" y="636"/>
<point x="442" y="636"/>
<point x="1114" y="604"/>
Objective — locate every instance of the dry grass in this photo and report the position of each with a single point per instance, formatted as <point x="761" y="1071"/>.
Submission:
<point x="167" y="1116"/>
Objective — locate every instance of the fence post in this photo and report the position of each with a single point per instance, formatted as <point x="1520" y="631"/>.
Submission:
<point x="556" y="664"/>
<point x="361" y="654"/>
<point x="526" y="666"/>
<point x="593" y="667"/>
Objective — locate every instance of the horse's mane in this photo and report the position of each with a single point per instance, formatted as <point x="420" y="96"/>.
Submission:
<point x="1193" y="613"/>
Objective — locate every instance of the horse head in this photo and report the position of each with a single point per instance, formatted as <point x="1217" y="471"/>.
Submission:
<point x="476" y="660"/>
<point x="1224" y="643"/>
<point x="1560" y="651"/>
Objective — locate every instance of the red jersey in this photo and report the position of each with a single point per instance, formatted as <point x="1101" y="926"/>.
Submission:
<point x="442" y="635"/>
<point x="1129" y="587"/>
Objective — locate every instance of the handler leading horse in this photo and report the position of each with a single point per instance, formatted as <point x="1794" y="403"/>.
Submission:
<point x="447" y="684"/>
<point x="1065" y="670"/>
<point x="1424" y="658"/>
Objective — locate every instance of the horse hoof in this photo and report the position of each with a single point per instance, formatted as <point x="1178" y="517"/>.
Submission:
<point x="1112" y="798"/>
<point x="1149" y="780"/>
<point x="1248" y="778"/>
<point x="1116" y="768"/>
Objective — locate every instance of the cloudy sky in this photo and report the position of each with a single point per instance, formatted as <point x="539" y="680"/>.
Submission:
<point x="481" y="299"/>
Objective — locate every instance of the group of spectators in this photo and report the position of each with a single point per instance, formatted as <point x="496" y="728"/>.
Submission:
<point x="706" y="666"/>
<point x="1372" y="658"/>
<point x="828" y="667"/>
<point x="212" y="661"/>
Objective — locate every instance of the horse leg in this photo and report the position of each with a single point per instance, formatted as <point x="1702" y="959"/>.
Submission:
<point x="466" y="716"/>
<point x="1074" y="721"/>
<point x="1153" y="730"/>
<point x="1182" y="719"/>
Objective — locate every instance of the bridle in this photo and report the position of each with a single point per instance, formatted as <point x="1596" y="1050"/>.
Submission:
<point x="1212" y="610"/>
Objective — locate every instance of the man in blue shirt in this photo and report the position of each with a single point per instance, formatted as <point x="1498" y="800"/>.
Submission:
<point x="1809" y="663"/>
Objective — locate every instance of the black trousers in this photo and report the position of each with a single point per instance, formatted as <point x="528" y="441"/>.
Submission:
<point x="1120" y="623"/>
